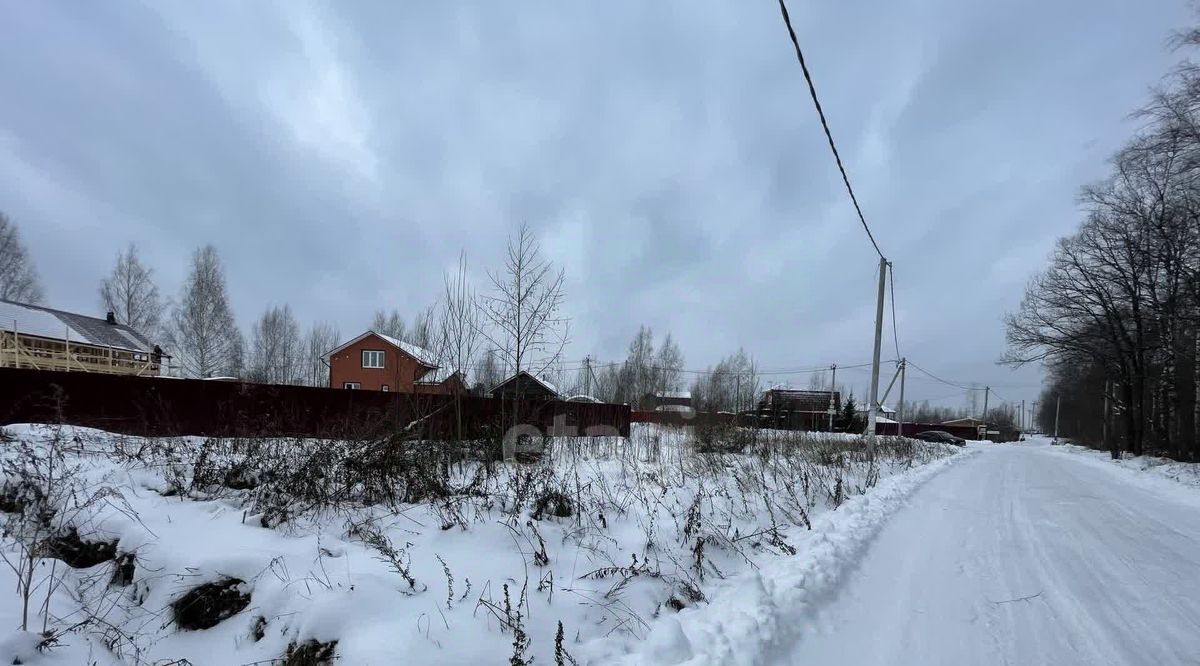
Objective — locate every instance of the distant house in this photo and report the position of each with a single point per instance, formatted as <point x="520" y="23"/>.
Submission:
<point x="525" y="386"/>
<point x="969" y="422"/>
<point x="800" y="400"/>
<point x="32" y="336"/>
<point x="799" y="408"/>
<point x="667" y="401"/>
<point x="985" y="430"/>
<point x="377" y="362"/>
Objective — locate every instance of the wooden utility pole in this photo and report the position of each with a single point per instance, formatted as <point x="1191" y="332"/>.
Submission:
<point x="832" y="392"/>
<point x="900" y="407"/>
<point x="587" y="375"/>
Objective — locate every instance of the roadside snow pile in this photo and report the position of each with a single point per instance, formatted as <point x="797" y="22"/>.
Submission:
<point x="755" y="616"/>
<point x="128" y="550"/>
<point x="1150" y="468"/>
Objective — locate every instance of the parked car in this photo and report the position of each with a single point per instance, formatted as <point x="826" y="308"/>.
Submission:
<point x="940" y="436"/>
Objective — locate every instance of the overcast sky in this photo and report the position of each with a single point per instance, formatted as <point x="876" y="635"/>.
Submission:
<point x="340" y="155"/>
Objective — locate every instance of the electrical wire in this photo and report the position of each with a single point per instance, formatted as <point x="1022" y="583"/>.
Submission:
<point x="936" y="378"/>
<point x="812" y="91"/>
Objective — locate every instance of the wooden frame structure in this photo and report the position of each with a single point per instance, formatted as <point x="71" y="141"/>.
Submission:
<point x="18" y="350"/>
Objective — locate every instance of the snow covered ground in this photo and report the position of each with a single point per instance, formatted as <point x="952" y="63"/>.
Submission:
<point x="632" y="551"/>
<point x="1024" y="554"/>
<point x="1150" y="471"/>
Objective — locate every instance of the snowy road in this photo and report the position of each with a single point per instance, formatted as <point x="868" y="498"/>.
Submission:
<point x="1023" y="555"/>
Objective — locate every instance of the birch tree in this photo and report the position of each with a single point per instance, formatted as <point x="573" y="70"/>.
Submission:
<point x="390" y="324"/>
<point x="18" y="277"/>
<point x="277" y="353"/>
<point x="639" y="375"/>
<point x="322" y="337"/>
<point x="732" y="385"/>
<point x="204" y="337"/>
<point x="488" y="372"/>
<point x="130" y="294"/>
<point x="669" y="362"/>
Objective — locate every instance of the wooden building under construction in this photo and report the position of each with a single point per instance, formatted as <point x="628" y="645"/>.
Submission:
<point x="32" y="336"/>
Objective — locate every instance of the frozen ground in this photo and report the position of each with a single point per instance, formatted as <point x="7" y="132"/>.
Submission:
<point x="662" y="553"/>
<point x="1150" y="471"/>
<point x="1024" y="554"/>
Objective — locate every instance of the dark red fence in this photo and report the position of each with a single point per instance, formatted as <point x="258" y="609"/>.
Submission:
<point x="161" y="406"/>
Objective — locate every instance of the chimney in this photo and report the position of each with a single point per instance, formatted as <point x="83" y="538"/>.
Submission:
<point x="111" y="318"/>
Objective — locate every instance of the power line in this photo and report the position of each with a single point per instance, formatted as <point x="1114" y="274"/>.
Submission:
<point x="812" y="91"/>
<point x="947" y="383"/>
<point x="1002" y="398"/>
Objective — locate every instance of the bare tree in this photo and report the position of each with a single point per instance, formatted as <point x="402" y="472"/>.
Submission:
<point x="424" y="330"/>
<point x="130" y="294"/>
<point x="18" y="277"/>
<point x="203" y="334"/>
<point x="732" y="385"/>
<point x="390" y="324"/>
<point x="459" y="322"/>
<point x="235" y="361"/>
<point x="321" y="338"/>
<point x="1115" y="313"/>
<point x="524" y="309"/>
<point x="488" y="372"/>
<point x="669" y="364"/>
<point x="608" y="383"/>
<point x="639" y="375"/>
<point x="277" y="353"/>
<point x="818" y="381"/>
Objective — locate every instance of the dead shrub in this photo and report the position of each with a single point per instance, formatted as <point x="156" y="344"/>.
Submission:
<point x="310" y="653"/>
<point x="553" y="503"/>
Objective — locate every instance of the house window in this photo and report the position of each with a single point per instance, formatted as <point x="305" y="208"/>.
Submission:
<point x="386" y="388"/>
<point x="372" y="358"/>
<point x="351" y="385"/>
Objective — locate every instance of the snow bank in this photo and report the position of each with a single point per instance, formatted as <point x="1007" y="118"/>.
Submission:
<point x="665" y="556"/>
<point x="754" y="617"/>
<point x="1177" y="480"/>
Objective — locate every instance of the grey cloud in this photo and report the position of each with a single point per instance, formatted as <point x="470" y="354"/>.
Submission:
<point x="341" y="154"/>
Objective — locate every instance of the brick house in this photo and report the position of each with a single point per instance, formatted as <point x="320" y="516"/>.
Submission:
<point x="377" y="362"/>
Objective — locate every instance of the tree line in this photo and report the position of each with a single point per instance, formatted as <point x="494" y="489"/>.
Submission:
<point x="1115" y="315"/>
<point x="518" y="324"/>
<point x="515" y="323"/>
